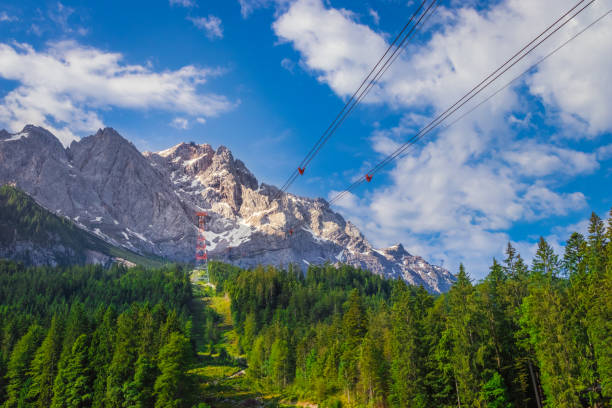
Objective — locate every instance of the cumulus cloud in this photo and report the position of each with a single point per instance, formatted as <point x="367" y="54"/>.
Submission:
<point x="455" y="196"/>
<point x="211" y="25"/>
<point x="64" y="87"/>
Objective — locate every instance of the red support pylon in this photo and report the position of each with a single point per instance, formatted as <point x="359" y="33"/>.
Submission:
<point x="201" y="254"/>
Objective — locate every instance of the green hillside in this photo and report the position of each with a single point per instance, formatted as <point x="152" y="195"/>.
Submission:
<point x="22" y="220"/>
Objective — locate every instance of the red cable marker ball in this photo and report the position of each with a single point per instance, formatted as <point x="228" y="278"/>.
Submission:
<point x="368" y="177"/>
<point x="301" y="170"/>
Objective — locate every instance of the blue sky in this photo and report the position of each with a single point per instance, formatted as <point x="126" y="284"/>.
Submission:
<point x="265" y="78"/>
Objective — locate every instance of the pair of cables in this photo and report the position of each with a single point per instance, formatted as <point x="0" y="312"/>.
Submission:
<point x="417" y="20"/>
<point x="481" y="86"/>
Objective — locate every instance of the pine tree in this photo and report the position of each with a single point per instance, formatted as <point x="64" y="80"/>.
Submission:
<point x="279" y="363"/>
<point x="574" y="254"/>
<point x="172" y="387"/>
<point x="406" y="363"/>
<point x="100" y="355"/>
<point x="121" y="369"/>
<point x="372" y="370"/>
<point x="139" y="392"/>
<point x="465" y="324"/>
<point x="257" y="360"/>
<point x="550" y="329"/>
<point x="546" y="262"/>
<point x="523" y="384"/>
<point x="354" y="328"/>
<point x="18" y="365"/>
<point x="494" y="393"/>
<point x="45" y="365"/>
<point x="73" y="385"/>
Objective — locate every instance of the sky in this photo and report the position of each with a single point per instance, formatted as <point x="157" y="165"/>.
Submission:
<point x="266" y="77"/>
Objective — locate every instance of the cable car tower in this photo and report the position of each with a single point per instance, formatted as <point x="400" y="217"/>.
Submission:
<point x="201" y="255"/>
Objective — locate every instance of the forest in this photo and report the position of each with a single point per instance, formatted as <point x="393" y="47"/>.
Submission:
<point x="536" y="335"/>
<point x="85" y="336"/>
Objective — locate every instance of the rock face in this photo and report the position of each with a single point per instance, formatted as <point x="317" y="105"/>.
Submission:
<point x="146" y="203"/>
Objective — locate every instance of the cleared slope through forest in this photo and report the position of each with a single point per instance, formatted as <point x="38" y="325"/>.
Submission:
<point x="221" y="368"/>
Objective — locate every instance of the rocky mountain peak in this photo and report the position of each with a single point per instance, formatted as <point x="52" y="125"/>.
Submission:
<point x="186" y="151"/>
<point x="146" y="203"/>
<point x="397" y="251"/>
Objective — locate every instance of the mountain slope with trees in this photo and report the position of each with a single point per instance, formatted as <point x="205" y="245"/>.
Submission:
<point x="31" y="234"/>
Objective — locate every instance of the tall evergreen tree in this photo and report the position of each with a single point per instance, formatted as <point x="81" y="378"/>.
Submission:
<point x="139" y="392"/>
<point x="280" y="363"/>
<point x="73" y="384"/>
<point x="546" y="262"/>
<point x="465" y="324"/>
<point x="100" y="355"/>
<point x="406" y="361"/>
<point x="574" y="254"/>
<point x="173" y="385"/>
<point x="45" y="365"/>
<point x="354" y="328"/>
<point x="18" y="365"/>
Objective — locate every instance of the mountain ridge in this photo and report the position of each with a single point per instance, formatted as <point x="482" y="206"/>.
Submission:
<point x="145" y="202"/>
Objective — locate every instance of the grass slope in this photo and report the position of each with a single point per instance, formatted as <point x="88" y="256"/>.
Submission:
<point x="221" y="367"/>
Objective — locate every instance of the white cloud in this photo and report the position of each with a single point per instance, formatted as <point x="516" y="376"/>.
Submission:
<point x="248" y="6"/>
<point x="604" y="152"/>
<point x="211" y="25"/>
<point x="455" y="196"/>
<point x="182" y="3"/>
<point x="64" y="87"/>
<point x="201" y="120"/>
<point x="180" y="123"/>
<point x="288" y="64"/>
<point x="542" y="160"/>
<point x="60" y="15"/>
<point x="4" y="17"/>
<point x="341" y="51"/>
<point x="374" y="15"/>
<point x="331" y="43"/>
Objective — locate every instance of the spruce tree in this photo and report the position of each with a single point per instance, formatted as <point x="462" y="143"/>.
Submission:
<point x="279" y="363"/>
<point x="494" y="393"/>
<point x="406" y="363"/>
<point x="546" y="262"/>
<point x="139" y="392"/>
<point x="18" y="365"/>
<point x="173" y="385"/>
<point x="73" y="385"/>
<point x="465" y="325"/>
<point x="45" y="365"/>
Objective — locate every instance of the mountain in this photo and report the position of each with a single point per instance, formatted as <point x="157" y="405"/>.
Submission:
<point x="147" y="203"/>
<point x="33" y="235"/>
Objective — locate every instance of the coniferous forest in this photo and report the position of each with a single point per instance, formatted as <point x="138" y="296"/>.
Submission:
<point x="528" y="335"/>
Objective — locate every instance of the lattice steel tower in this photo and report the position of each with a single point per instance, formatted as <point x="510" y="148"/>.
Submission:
<point x="201" y="255"/>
